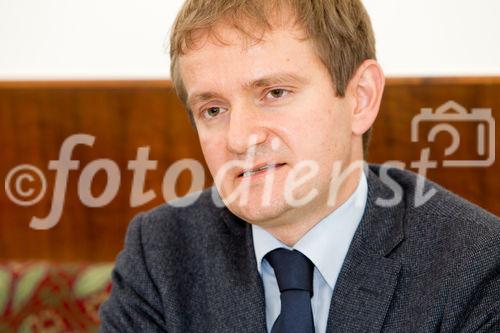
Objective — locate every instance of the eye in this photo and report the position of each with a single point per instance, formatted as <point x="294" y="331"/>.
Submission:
<point x="277" y="93"/>
<point x="212" y="112"/>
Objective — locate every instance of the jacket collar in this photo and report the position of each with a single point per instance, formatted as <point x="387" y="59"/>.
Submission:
<point x="381" y="228"/>
<point x="367" y="281"/>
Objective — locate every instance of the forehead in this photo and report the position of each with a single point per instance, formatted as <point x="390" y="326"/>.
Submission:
<point x="233" y="56"/>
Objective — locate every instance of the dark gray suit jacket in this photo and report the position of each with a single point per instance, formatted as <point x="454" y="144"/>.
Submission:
<point x="433" y="268"/>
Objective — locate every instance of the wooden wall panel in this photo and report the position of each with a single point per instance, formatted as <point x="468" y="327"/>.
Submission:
<point x="36" y="117"/>
<point x="34" y="122"/>
<point x="403" y="100"/>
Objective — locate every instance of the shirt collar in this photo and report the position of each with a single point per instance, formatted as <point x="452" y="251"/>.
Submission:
<point x="326" y="244"/>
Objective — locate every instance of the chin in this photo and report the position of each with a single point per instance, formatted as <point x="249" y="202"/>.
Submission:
<point x="256" y="213"/>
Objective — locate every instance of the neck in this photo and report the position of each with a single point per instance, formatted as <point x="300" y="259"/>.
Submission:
<point x="296" y="227"/>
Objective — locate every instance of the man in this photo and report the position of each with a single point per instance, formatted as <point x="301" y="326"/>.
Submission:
<point x="283" y="95"/>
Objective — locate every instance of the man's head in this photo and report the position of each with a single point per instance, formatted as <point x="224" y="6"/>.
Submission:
<point x="288" y="82"/>
<point x="340" y="31"/>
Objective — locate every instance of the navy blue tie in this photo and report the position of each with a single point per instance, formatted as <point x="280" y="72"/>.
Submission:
<point x="294" y="273"/>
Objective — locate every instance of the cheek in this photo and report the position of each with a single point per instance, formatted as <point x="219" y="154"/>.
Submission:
<point x="323" y="135"/>
<point x="213" y="150"/>
<point x="335" y="125"/>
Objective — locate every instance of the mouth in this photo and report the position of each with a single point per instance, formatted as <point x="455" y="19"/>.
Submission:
<point x="259" y="169"/>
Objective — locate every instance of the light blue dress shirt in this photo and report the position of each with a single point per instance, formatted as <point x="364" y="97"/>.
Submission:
<point x="326" y="245"/>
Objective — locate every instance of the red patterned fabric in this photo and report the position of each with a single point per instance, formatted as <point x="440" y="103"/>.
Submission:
<point x="52" y="298"/>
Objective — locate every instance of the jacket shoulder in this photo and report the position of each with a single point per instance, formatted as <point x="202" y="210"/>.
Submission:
<point x="425" y="199"/>
<point x="195" y="212"/>
<point x="431" y="210"/>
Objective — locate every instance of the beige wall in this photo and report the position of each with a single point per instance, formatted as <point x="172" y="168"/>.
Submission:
<point x="113" y="39"/>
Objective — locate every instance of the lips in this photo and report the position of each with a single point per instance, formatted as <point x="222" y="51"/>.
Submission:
<point x="259" y="169"/>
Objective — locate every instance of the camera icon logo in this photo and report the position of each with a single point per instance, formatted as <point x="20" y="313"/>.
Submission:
<point x="452" y="112"/>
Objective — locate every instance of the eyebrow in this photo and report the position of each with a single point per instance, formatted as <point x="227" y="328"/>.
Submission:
<point x="201" y="97"/>
<point x="278" y="78"/>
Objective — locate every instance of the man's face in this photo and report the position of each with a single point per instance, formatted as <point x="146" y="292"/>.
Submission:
<point x="268" y="104"/>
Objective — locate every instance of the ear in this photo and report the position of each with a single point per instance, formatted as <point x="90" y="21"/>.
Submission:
<point x="366" y="89"/>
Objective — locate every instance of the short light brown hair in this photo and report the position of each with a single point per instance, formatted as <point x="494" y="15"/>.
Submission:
<point x="340" y="30"/>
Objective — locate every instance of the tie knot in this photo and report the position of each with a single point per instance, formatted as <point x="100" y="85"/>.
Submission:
<point x="293" y="270"/>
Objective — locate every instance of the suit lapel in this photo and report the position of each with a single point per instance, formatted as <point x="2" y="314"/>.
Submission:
<point x="234" y="290"/>
<point x="368" y="277"/>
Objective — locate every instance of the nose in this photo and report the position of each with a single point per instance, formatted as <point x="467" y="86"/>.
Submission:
<point x="246" y="129"/>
